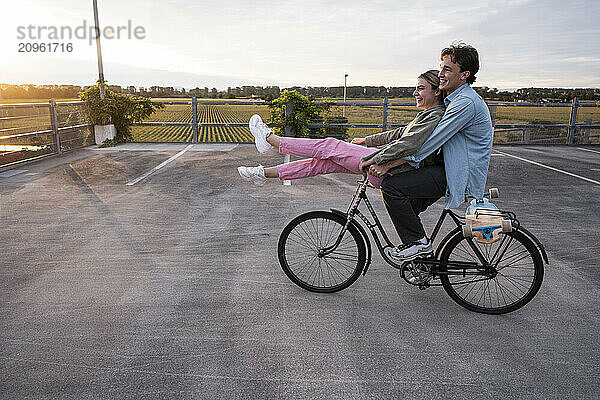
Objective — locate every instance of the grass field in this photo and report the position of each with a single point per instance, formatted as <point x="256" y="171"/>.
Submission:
<point x="206" y="114"/>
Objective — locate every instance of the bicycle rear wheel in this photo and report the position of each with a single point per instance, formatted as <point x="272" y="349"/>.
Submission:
<point x="520" y="271"/>
<point x="306" y="235"/>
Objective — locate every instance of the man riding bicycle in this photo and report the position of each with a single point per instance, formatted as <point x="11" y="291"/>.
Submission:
<point x="465" y="135"/>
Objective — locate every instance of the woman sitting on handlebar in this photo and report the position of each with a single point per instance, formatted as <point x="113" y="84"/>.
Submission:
<point x="331" y="155"/>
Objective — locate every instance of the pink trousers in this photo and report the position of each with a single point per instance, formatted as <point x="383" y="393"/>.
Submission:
<point x="328" y="156"/>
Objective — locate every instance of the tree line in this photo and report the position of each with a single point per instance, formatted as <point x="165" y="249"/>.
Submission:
<point x="269" y="93"/>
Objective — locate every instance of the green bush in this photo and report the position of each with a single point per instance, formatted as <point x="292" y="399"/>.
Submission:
<point x="304" y="109"/>
<point x="122" y="110"/>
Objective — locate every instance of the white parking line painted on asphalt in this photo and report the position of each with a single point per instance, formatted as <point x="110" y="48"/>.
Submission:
<point x="159" y="166"/>
<point x="593" y="151"/>
<point x="551" y="168"/>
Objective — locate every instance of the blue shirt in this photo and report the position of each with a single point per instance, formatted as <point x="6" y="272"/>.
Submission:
<point x="466" y="134"/>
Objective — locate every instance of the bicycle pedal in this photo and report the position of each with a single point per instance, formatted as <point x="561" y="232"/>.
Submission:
<point x="425" y="257"/>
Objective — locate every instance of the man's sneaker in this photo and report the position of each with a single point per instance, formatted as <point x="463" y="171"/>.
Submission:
<point x="260" y="131"/>
<point x="410" y="251"/>
<point x="255" y="175"/>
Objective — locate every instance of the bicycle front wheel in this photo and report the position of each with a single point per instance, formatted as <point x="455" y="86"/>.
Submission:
<point x="301" y="242"/>
<point x="519" y="270"/>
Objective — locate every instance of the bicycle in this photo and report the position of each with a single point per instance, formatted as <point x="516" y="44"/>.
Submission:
<point x="327" y="251"/>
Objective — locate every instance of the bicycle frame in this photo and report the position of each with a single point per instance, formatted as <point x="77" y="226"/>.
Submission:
<point x="450" y="267"/>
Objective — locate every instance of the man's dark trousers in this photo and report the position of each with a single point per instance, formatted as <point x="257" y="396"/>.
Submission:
<point x="408" y="193"/>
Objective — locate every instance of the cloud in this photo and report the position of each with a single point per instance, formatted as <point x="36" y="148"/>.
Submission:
<point x="85" y="72"/>
<point x="587" y="59"/>
<point x="381" y="42"/>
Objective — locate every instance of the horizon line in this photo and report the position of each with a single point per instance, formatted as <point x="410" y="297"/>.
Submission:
<point x="508" y="89"/>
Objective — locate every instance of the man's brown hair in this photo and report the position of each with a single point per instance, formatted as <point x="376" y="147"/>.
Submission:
<point x="465" y="56"/>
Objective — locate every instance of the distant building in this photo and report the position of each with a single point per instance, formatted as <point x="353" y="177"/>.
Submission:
<point x="551" y="100"/>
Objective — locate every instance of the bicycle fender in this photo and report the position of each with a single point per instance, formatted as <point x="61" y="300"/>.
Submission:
<point x="365" y="238"/>
<point x="537" y="242"/>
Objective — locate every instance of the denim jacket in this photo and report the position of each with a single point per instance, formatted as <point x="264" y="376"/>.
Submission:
<point x="466" y="134"/>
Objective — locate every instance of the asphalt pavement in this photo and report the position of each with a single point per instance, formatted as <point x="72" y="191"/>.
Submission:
<point x="121" y="278"/>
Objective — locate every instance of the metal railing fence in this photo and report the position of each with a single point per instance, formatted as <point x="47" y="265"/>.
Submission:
<point x="32" y="130"/>
<point x="567" y="133"/>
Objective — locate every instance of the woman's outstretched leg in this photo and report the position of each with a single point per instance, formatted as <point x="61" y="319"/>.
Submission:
<point x="347" y="155"/>
<point x="328" y="155"/>
<point x="293" y="170"/>
<point x="309" y="167"/>
<point x="336" y="150"/>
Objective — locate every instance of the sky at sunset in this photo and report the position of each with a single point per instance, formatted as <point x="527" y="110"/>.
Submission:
<point x="522" y="43"/>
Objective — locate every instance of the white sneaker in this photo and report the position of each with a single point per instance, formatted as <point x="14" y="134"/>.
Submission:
<point x="255" y="175"/>
<point x="260" y="131"/>
<point x="410" y="251"/>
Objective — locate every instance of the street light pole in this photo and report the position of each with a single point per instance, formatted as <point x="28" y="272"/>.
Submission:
<point x="99" y="51"/>
<point x="345" y="77"/>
